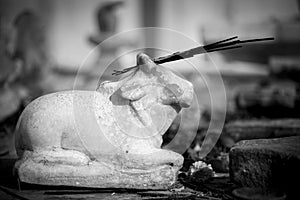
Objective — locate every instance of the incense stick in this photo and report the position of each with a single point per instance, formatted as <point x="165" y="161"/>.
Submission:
<point x="222" y="45"/>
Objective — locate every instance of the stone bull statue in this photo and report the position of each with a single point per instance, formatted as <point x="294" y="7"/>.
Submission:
<point x="108" y="138"/>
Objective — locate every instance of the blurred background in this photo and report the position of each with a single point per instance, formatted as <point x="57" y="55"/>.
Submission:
<point x="43" y="43"/>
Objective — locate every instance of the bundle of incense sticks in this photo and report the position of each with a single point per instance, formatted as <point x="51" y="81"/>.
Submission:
<point x="230" y="43"/>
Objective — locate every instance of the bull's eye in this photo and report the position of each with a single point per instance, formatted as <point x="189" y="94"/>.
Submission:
<point x="168" y="97"/>
<point x="172" y="92"/>
<point x="167" y="93"/>
<point x="175" y="89"/>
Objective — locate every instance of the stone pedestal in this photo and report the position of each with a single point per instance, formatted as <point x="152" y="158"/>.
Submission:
<point x="95" y="174"/>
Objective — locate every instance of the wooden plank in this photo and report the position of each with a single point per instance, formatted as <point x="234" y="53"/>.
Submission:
<point x="215" y="189"/>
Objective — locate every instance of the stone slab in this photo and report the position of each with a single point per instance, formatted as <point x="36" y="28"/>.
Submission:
<point x="257" y="129"/>
<point x="267" y="163"/>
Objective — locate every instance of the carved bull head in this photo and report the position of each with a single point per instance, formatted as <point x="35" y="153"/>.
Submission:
<point x="147" y="100"/>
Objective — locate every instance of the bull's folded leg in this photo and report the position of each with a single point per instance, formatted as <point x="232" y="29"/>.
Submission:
<point x="160" y="157"/>
<point x="59" y="156"/>
<point x="168" y="157"/>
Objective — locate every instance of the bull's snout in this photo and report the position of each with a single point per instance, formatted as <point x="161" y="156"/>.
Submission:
<point x="186" y="98"/>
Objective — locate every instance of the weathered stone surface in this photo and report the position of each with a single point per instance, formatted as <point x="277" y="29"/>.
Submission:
<point x="269" y="98"/>
<point x="267" y="163"/>
<point x="107" y="138"/>
<point x="259" y="129"/>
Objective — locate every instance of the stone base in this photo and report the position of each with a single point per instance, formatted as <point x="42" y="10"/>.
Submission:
<point x="95" y="175"/>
